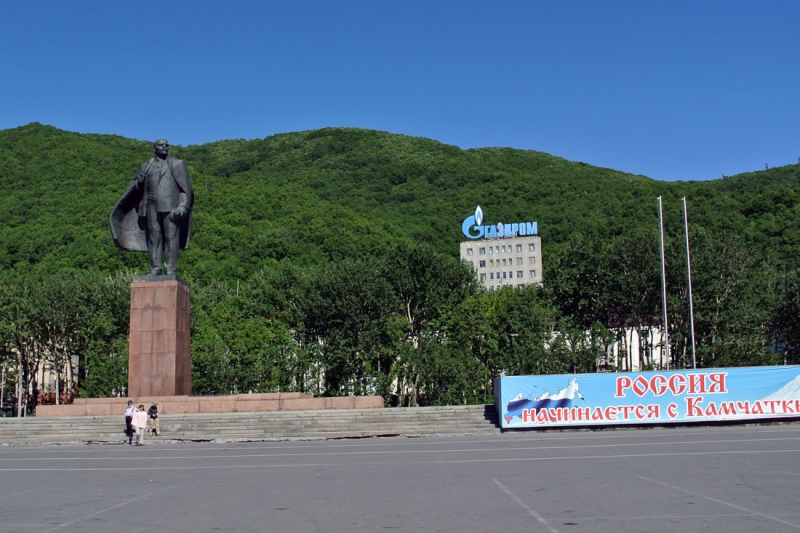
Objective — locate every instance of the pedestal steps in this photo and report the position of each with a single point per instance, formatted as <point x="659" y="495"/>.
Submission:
<point x="269" y="425"/>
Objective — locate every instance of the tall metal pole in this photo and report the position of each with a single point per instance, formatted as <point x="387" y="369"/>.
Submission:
<point x="663" y="282"/>
<point x="20" y="391"/>
<point x="689" y="272"/>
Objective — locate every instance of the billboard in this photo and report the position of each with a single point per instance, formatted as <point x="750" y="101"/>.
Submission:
<point x="648" y="397"/>
<point x="473" y="228"/>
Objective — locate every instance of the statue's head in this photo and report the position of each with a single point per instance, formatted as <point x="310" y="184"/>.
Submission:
<point x="161" y="148"/>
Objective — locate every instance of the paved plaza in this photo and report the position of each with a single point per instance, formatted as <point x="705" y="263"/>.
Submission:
<point x="726" y="479"/>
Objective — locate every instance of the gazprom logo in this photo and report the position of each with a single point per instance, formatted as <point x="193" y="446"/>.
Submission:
<point x="473" y="228"/>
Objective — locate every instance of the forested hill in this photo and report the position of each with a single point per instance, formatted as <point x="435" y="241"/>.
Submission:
<point x="343" y="192"/>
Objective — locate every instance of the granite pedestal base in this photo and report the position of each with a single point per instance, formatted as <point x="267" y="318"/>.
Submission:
<point x="159" y="357"/>
<point x="233" y="403"/>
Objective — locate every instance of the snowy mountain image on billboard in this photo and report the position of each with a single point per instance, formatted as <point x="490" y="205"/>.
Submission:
<point x="790" y="391"/>
<point x="563" y="398"/>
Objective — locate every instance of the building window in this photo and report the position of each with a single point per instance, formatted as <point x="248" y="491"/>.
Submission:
<point x="518" y="261"/>
<point x="519" y="273"/>
<point x="483" y="263"/>
<point x="483" y="277"/>
<point x="491" y="288"/>
<point x="504" y="262"/>
<point x="531" y="246"/>
<point x="490" y="250"/>
<point x="482" y="251"/>
<point x="533" y="273"/>
<point x="503" y="248"/>
<point x="497" y="249"/>
<point x="504" y="275"/>
<point x="532" y="260"/>
<point x="491" y="275"/>
<point x="469" y="251"/>
<point x="519" y="247"/>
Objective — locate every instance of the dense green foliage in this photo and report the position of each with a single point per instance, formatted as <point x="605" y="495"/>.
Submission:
<point x="324" y="261"/>
<point x="334" y="193"/>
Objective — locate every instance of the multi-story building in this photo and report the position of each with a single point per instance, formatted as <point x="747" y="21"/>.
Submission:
<point x="512" y="261"/>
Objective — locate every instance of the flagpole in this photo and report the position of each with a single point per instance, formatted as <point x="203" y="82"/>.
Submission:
<point x="663" y="283"/>
<point x="689" y="272"/>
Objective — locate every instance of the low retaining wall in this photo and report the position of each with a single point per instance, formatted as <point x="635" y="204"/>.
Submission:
<point x="245" y="403"/>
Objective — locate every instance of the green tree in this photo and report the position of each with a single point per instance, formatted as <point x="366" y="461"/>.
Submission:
<point x="346" y="312"/>
<point x="733" y="294"/>
<point x="426" y="287"/>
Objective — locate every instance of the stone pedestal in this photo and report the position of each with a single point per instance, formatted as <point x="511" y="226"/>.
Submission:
<point x="231" y="403"/>
<point x="159" y="360"/>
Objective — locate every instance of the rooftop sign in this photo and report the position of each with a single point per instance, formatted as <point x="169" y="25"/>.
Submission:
<point x="473" y="228"/>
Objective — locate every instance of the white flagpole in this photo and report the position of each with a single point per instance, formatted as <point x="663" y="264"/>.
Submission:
<point x="689" y="272"/>
<point x="663" y="283"/>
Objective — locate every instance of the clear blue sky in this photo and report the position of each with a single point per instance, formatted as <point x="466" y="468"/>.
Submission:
<point x="668" y="89"/>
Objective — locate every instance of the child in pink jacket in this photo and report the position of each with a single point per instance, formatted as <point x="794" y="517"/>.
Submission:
<point x="139" y="423"/>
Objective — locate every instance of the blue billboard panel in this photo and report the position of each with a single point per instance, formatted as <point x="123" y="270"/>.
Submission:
<point x="649" y="397"/>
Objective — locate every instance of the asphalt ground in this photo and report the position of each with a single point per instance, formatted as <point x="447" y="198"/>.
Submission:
<point x="727" y="479"/>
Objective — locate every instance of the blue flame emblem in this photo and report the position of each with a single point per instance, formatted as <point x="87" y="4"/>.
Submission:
<point x="478" y="216"/>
